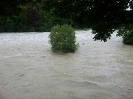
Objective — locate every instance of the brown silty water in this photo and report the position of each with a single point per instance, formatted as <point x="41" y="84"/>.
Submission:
<point x="97" y="70"/>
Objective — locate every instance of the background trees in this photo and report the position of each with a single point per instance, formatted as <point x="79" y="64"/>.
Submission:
<point x="102" y="16"/>
<point x="28" y="16"/>
<point x="12" y="8"/>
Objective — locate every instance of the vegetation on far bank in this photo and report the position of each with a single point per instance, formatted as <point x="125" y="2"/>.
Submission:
<point x="103" y="17"/>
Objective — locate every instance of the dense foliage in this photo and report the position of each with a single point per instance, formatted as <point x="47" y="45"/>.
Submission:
<point x="63" y="39"/>
<point x="127" y="33"/>
<point x="102" y="16"/>
<point x="30" y="19"/>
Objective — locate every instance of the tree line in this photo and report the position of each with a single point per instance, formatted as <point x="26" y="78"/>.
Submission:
<point x="102" y="16"/>
<point x="31" y="18"/>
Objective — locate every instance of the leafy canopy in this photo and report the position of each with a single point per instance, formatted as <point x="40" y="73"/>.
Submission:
<point x="102" y="16"/>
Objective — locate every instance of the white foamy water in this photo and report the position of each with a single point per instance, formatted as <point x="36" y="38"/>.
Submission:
<point x="97" y="70"/>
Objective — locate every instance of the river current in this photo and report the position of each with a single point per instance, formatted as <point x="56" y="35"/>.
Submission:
<point x="97" y="70"/>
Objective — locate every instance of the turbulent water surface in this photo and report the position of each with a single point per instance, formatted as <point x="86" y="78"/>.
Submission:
<point x="97" y="70"/>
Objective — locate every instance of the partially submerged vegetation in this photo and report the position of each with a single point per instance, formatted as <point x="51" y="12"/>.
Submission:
<point x="127" y="33"/>
<point x="63" y="39"/>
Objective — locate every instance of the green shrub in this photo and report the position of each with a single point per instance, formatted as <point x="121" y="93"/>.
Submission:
<point x="63" y="39"/>
<point x="128" y="38"/>
<point x="127" y="33"/>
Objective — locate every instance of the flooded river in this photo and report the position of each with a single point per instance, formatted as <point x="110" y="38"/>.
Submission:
<point x="97" y="70"/>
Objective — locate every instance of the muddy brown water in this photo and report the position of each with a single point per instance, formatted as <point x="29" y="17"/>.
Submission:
<point x="97" y="70"/>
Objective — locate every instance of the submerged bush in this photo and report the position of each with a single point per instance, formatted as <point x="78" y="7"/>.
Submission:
<point x="127" y="33"/>
<point x="128" y="38"/>
<point x="63" y="39"/>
